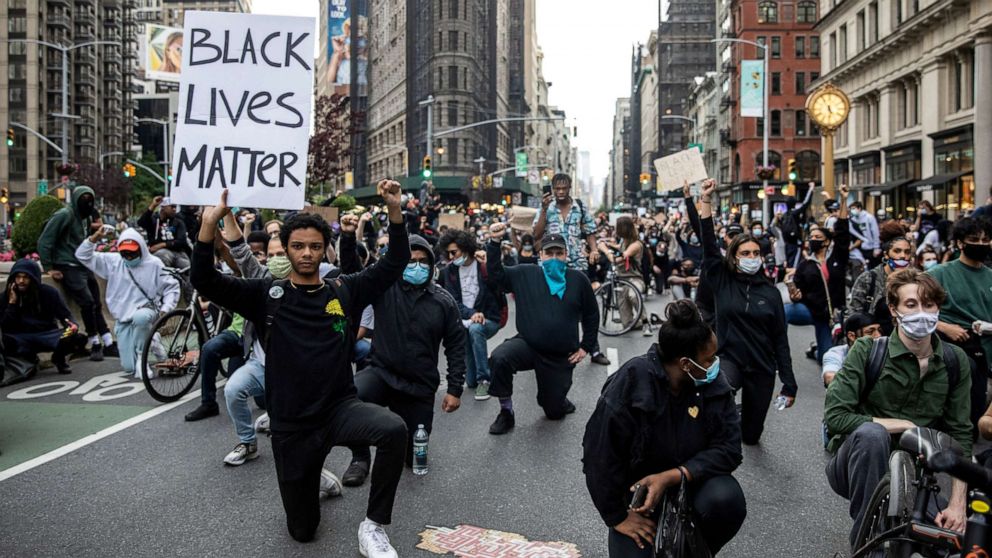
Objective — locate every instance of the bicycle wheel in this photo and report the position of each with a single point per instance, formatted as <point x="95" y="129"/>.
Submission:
<point x="877" y="519"/>
<point x="170" y="360"/>
<point x="614" y="299"/>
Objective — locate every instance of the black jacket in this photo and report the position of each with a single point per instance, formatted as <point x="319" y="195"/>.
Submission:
<point x="704" y="291"/>
<point x="489" y="300"/>
<point x="37" y="313"/>
<point x="809" y="280"/>
<point x="750" y="316"/>
<point x="410" y="324"/>
<point x="550" y="325"/>
<point x="175" y="239"/>
<point x="640" y="428"/>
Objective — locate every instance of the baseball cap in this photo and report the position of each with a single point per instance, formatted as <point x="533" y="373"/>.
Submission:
<point x="128" y="245"/>
<point x="831" y="205"/>
<point x="553" y="241"/>
<point x="734" y="229"/>
<point x="166" y="201"/>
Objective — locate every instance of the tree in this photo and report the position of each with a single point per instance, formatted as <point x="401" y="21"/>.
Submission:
<point x="330" y="145"/>
<point x="32" y="221"/>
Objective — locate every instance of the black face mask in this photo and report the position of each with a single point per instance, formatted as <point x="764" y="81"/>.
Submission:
<point x="84" y="206"/>
<point x="977" y="252"/>
<point x="815" y="245"/>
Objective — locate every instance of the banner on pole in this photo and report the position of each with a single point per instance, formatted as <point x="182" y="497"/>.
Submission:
<point x="244" y="110"/>
<point x="753" y="88"/>
<point x="521" y="160"/>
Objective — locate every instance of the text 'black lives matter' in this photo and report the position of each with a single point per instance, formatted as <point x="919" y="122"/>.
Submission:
<point x="220" y="165"/>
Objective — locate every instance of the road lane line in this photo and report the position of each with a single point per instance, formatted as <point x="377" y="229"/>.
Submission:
<point x="87" y="440"/>
<point x="614" y="356"/>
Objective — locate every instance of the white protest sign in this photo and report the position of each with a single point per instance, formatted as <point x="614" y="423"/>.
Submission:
<point x="678" y="168"/>
<point x="244" y="110"/>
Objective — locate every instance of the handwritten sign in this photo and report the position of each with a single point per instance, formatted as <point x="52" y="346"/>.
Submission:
<point x="454" y="221"/>
<point x="330" y="214"/>
<point x="244" y="110"/>
<point x="678" y="168"/>
<point x="522" y="219"/>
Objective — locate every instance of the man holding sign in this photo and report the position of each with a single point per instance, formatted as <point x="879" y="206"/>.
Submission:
<point x="305" y="325"/>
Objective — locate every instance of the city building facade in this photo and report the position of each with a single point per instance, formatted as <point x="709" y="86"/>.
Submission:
<point x="616" y="181"/>
<point x="917" y="74"/>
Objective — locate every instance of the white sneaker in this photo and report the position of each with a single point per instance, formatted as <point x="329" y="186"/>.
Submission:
<point x="262" y="424"/>
<point x="646" y="330"/>
<point x="241" y="453"/>
<point x="157" y="349"/>
<point x="330" y="484"/>
<point x="373" y="542"/>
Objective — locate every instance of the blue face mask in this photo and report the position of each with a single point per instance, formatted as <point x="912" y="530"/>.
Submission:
<point x="554" y="274"/>
<point x="459" y="261"/>
<point x="928" y="265"/>
<point x="416" y="273"/>
<point x="132" y="263"/>
<point x="711" y="373"/>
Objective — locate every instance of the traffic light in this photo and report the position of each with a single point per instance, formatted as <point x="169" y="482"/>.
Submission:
<point x="793" y="173"/>
<point x="10" y="137"/>
<point x="428" y="170"/>
<point x="645" y="178"/>
<point x="4" y="195"/>
<point x="127" y="170"/>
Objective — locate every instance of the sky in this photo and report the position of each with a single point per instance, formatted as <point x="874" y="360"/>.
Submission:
<point x="586" y="46"/>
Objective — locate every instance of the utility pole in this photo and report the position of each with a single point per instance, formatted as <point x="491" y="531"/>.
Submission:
<point x="429" y="103"/>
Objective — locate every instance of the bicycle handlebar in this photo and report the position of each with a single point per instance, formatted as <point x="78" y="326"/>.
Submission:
<point x="975" y="475"/>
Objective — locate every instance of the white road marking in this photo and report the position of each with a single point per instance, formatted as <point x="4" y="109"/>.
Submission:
<point x="87" y="440"/>
<point x="614" y="356"/>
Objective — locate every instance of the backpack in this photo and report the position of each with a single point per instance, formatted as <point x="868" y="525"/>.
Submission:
<point x="338" y="291"/>
<point x="880" y="352"/>
<point x="504" y="306"/>
<point x="791" y="230"/>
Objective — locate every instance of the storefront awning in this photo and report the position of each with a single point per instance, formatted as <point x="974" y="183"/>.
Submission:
<point x="879" y="189"/>
<point x="937" y="181"/>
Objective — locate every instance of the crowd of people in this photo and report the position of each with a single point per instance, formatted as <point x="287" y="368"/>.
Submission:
<point x="321" y="340"/>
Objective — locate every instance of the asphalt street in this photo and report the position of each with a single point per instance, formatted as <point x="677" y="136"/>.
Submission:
<point x="159" y="487"/>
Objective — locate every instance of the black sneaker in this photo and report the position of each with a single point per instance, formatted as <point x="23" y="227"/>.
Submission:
<point x="569" y="407"/>
<point x="205" y="410"/>
<point x="600" y="358"/>
<point x="60" y="364"/>
<point x="356" y="474"/>
<point x="96" y="353"/>
<point x="111" y="351"/>
<point x="505" y="421"/>
<point x="811" y="352"/>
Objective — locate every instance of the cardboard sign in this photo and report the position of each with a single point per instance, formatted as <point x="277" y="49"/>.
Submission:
<point x="244" y="110"/>
<point x="678" y="168"/>
<point x="330" y="214"/>
<point x="523" y="219"/>
<point x="452" y="221"/>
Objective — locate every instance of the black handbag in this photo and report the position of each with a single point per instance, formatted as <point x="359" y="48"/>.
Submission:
<point x="678" y="535"/>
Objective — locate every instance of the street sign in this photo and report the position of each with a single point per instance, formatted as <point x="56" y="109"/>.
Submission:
<point x="770" y="190"/>
<point x="498" y="182"/>
<point x="533" y="177"/>
<point x="698" y="146"/>
<point x="42" y="187"/>
<point x="521" y="164"/>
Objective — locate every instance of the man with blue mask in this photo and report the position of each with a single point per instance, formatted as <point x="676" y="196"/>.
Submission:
<point x="551" y="301"/>
<point x="412" y="319"/>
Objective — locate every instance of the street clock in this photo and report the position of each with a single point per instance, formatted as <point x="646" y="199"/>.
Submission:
<point x="828" y="106"/>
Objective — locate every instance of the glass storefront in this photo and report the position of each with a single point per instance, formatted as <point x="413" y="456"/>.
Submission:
<point x="903" y="164"/>
<point x="954" y="153"/>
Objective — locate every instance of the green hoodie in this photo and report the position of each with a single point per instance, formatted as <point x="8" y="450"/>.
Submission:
<point x="64" y="232"/>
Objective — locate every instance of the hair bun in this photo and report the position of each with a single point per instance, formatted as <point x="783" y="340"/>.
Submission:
<point x="683" y="313"/>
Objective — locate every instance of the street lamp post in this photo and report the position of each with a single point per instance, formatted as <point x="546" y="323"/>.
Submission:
<point x="765" y="121"/>
<point x="165" y="146"/>
<point x="65" y="82"/>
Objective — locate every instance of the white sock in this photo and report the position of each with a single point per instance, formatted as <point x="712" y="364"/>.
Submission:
<point x="95" y="340"/>
<point x="108" y="339"/>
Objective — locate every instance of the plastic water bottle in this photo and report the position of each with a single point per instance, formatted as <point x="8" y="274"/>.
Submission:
<point x="781" y="402"/>
<point x="420" y="438"/>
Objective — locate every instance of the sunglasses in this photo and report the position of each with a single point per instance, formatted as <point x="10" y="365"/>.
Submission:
<point x="130" y="255"/>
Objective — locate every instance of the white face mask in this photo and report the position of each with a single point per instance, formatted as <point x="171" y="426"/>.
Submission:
<point x="749" y="266"/>
<point x="919" y="325"/>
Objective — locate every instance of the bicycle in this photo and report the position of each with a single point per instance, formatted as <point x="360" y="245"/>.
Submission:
<point x="610" y="296"/>
<point x="170" y="363"/>
<point x="895" y="520"/>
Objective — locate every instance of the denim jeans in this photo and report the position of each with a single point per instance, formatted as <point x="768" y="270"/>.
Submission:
<point x="362" y="349"/>
<point x="477" y="355"/>
<point x="131" y="337"/>
<point x="798" y="314"/>
<point x="227" y="344"/>
<point x="247" y="381"/>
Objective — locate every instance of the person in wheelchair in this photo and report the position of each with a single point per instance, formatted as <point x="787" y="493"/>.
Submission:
<point x="663" y="417"/>
<point x="917" y="381"/>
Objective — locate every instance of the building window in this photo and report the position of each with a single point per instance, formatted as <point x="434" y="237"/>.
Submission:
<point x="452" y="113"/>
<point x="453" y="9"/>
<point x="776" y="83"/>
<point x="16" y="94"/>
<point x="776" y="47"/>
<point x="453" y="151"/>
<point x="800" y="123"/>
<point x="897" y="8"/>
<point x="814" y="47"/>
<point x="806" y="12"/>
<point x="15" y="49"/>
<point x="908" y="99"/>
<point x="776" y="123"/>
<point x="800" y="47"/>
<point x="873" y="22"/>
<point x="861" y="31"/>
<point x="869" y="117"/>
<point x="768" y="12"/>
<point x="18" y="24"/>
<point x="453" y="40"/>
<point x="800" y="83"/>
<point x="453" y="77"/>
<point x="833" y="50"/>
<point x="759" y="127"/>
<point x="842" y="44"/>
<point x="962" y="78"/>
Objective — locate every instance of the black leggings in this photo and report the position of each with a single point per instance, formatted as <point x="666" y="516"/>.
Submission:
<point x="80" y="285"/>
<point x="719" y="510"/>
<point x="756" y="387"/>
<point x="372" y="388"/>
<point x="299" y="457"/>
